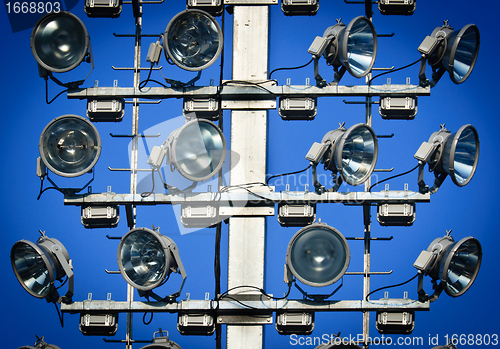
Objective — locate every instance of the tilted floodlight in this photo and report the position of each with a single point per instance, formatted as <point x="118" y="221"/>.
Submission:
<point x="449" y="50"/>
<point x="318" y="255"/>
<point x="70" y="146"/>
<point x="193" y="40"/>
<point x="162" y="342"/>
<point x="146" y="258"/>
<point x="60" y="42"/>
<point x="455" y="154"/>
<point x="37" y="266"/>
<point x="397" y="7"/>
<point x="351" y="48"/>
<point x="352" y="153"/>
<point x="197" y="150"/>
<point x="454" y="264"/>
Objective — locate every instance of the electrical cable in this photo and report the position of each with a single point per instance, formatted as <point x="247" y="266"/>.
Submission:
<point x="398" y="175"/>
<point x="61" y="316"/>
<point x="144" y="319"/>
<point x="47" y="93"/>
<point x="394" y="70"/>
<point x="291" y="68"/>
<point x="146" y="194"/>
<point x="391" y="286"/>
<point x="287" y="174"/>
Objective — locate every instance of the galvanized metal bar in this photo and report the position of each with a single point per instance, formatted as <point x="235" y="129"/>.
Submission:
<point x="251" y="91"/>
<point x="253" y="306"/>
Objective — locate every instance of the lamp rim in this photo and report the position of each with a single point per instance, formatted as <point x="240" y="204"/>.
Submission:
<point x="46" y="18"/>
<point x="453" y="51"/>
<point x="343" y="46"/>
<point x="176" y="136"/>
<point x="446" y="265"/>
<point x="42" y="251"/>
<point x="41" y="146"/>
<point x="451" y="166"/>
<point x="304" y="231"/>
<point x="163" y="241"/>
<point x="166" y="46"/>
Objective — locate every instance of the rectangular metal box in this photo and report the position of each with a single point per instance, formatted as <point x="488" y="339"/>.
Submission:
<point x="198" y="216"/>
<point x="295" y="323"/>
<point x="194" y="324"/>
<point x="299" y="7"/>
<point x="106" y="110"/>
<point x="103" y="8"/>
<point x="296" y="215"/>
<point x="396" y="214"/>
<point x="402" y="108"/>
<point x="298" y="108"/>
<point x="397" y="7"/>
<point x="206" y="108"/>
<point x="98" y="324"/>
<point x="100" y="216"/>
<point x="395" y="323"/>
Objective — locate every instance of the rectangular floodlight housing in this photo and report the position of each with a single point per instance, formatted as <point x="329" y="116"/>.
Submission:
<point x="296" y="215"/>
<point x="195" y="324"/>
<point x="106" y="110"/>
<point x="424" y="261"/>
<point x="399" y="108"/>
<point x="397" y="7"/>
<point x="424" y="152"/>
<point x="396" y="214"/>
<point x="298" y="108"/>
<point x="98" y="324"/>
<point x="214" y="7"/>
<point x="300" y="7"/>
<point x="198" y="215"/>
<point x="395" y="322"/>
<point x="318" y="46"/>
<point x="100" y="216"/>
<point x="154" y="53"/>
<point x="428" y="45"/>
<point x="103" y="8"/>
<point x="156" y="157"/>
<point x="316" y="152"/>
<point x="294" y="323"/>
<point x="204" y="108"/>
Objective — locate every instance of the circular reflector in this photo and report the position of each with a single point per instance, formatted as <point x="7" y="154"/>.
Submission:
<point x="461" y="154"/>
<point x="34" y="267"/>
<point x="193" y="40"/>
<point x="70" y="146"/>
<point x="358" y="46"/>
<point x="59" y="41"/>
<point x="144" y="258"/>
<point x="462" y="52"/>
<point x="318" y="255"/>
<point x="356" y="154"/>
<point x="198" y="150"/>
<point x="460" y="266"/>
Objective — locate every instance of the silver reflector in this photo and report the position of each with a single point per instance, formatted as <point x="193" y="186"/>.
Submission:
<point x="358" y="47"/>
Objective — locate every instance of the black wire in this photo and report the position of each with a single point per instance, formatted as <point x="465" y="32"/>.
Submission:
<point x="394" y="70"/>
<point x="47" y="93"/>
<point x="391" y="286"/>
<point x="61" y="316"/>
<point x="144" y="319"/>
<point x="287" y="174"/>
<point x="291" y="68"/>
<point x="143" y="84"/>
<point x="145" y="195"/>
<point x="398" y="175"/>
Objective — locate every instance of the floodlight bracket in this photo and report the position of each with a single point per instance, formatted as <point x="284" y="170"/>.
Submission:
<point x="438" y="180"/>
<point x="68" y="269"/>
<point x="317" y="297"/>
<point x="65" y="191"/>
<point x="424" y="297"/>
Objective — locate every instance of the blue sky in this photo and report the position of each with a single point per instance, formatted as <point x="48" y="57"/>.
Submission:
<point x="468" y="211"/>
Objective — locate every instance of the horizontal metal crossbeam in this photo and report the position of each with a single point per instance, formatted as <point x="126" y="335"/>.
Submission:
<point x="231" y="306"/>
<point x="250" y="91"/>
<point x="245" y="198"/>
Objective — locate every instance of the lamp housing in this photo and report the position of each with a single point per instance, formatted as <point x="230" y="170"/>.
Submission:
<point x="60" y="42"/>
<point x="395" y="322"/>
<point x="38" y="266"/>
<point x="398" y="108"/>
<point x="97" y="216"/>
<point x="213" y="7"/>
<point x="397" y="7"/>
<point x="98" y="324"/>
<point x="205" y="108"/>
<point x="103" y="8"/>
<point x="70" y="146"/>
<point x="195" y="324"/>
<point x="396" y="214"/>
<point x="298" y="108"/>
<point x="318" y="255"/>
<point x="294" y="323"/>
<point x="162" y="342"/>
<point x="193" y="40"/>
<point x="300" y="7"/>
<point x="112" y="110"/>
<point x="296" y="215"/>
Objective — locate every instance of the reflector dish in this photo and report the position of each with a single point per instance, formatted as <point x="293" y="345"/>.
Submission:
<point x="461" y="53"/>
<point x="144" y="258"/>
<point x="358" y="46"/>
<point x="70" y="146"/>
<point x="460" y="266"/>
<point x="193" y="40"/>
<point x="198" y="150"/>
<point x="318" y="255"/>
<point x="59" y="42"/>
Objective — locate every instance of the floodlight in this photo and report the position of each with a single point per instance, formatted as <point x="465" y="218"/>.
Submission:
<point x="449" y="50"/>
<point x="60" y="42"/>
<point x="146" y="258"/>
<point x="352" y="153"/>
<point x="162" y="342"/>
<point x="197" y="150"/>
<point x="318" y="255"/>
<point x="300" y="7"/>
<point x="40" y="344"/>
<point x="397" y="7"/>
<point x="70" y="146"/>
<point x="103" y="8"/>
<point x="351" y="48"/>
<point x="37" y="266"/>
<point x="455" y="265"/>
<point x="455" y="154"/>
<point x="193" y="40"/>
